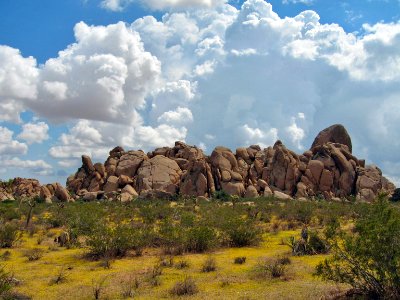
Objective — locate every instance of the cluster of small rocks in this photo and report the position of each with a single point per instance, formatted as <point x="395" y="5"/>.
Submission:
<point x="327" y="170"/>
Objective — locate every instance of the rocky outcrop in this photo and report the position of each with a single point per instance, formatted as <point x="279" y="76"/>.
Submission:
<point x="22" y="188"/>
<point x="328" y="170"/>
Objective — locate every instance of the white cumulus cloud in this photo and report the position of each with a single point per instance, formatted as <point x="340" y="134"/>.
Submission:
<point x="8" y="146"/>
<point x="34" y="132"/>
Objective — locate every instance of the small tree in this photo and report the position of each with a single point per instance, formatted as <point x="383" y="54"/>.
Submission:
<point x="369" y="259"/>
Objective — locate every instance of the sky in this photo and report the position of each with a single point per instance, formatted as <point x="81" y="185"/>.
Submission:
<point x="83" y="76"/>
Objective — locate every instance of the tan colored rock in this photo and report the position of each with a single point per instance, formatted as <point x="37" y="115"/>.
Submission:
<point x="226" y="176"/>
<point x="268" y="192"/>
<point x="282" y="196"/>
<point x="111" y="185"/>
<point x="100" y="169"/>
<point x="62" y="194"/>
<point x="262" y="184"/>
<point x="284" y="169"/>
<point x="333" y="134"/>
<point x="90" y="196"/>
<point x="233" y="188"/>
<point x="126" y="197"/>
<point x="130" y="162"/>
<point x="326" y="181"/>
<point x="130" y="190"/>
<point x="45" y="194"/>
<point x="87" y="164"/>
<point x="123" y="180"/>
<point x="315" y="167"/>
<point x="251" y="192"/>
<point x="158" y="173"/>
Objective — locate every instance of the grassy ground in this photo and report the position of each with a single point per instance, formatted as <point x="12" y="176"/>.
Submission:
<point x="229" y="281"/>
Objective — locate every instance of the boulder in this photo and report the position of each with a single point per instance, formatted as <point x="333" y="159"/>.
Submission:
<point x="128" y="189"/>
<point x="251" y="192"/>
<point x="282" y="196"/>
<point x="111" y="184"/>
<point x="158" y="173"/>
<point x="62" y="194"/>
<point x="333" y="134"/>
<point x="129" y="163"/>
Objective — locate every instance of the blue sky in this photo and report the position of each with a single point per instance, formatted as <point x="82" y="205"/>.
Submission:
<point x="204" y="71"/>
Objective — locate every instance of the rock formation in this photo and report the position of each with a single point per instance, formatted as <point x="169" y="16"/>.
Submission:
<point x="22" y="188"/>
<point x="327" y="170"/>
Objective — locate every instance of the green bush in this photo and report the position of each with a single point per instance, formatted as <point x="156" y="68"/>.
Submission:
<point x="200" y="239"/>
<point x="221" y="195"/>
<point x="5" y="281"/>
<point x="242" y="233"/>
<point x="106" y="241"/>
<point x="239" y="260"/>
<point x="172" y="237"/>
<point x="369" y="258"/>
<point x="9" y="234"/>
<point x="310" y="244"/>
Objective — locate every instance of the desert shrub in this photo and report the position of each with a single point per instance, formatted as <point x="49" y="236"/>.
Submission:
<point x="185" y="287"/>
<point x="166" y="261"/>
<point x="9" y="212"/>
<point x="172" y="237"/>
<point x="107" y="241"/>
<point x="239" y="260"/>
<point x="242" y="233"/>
<point x="369" y="258"/>
<point x="153" y="275"/>
<point x="200" y="239"/>
<point x="98" y="287"/>
<point x="5" y="281"/>
<point x="310" y="244"/>
<point x="182" y="264"/>
<point x="284" y="260"/>
<point x="60" y="277"/>
<point x="130" y="287"/>
<point x="209" y="265"/>
<point x="221" y="195"/>
<point x="9" y="234"/>
<point x="267" y="268"/>
<point x="34" y="254"/>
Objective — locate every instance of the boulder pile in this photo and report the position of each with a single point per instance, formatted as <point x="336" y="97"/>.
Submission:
<point x="22" y="188"/>
<point x="328" y="170"/>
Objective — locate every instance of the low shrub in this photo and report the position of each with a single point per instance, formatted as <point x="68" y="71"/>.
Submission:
<point x="239" y="260"/>
<point x="130" y="287"/>
<point x="34" y="254"/>
<point x="242" y="233"/>
<point x="166" y="261"/>
<point x="200" y="239"/>
<point x="209" y="265"/>
<point x="182" y="264"/>
<point x="268" y="268"/>
<point x="60" y="277"/>
<point x="186" y="287"/>
<point x="9" y="235"/>
<point x="5" y="281"/>
<point x="310" y="244"/>
<point x="106" y="241"/>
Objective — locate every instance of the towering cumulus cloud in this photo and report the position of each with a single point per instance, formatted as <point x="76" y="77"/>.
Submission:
<point x="215" y="75"/>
